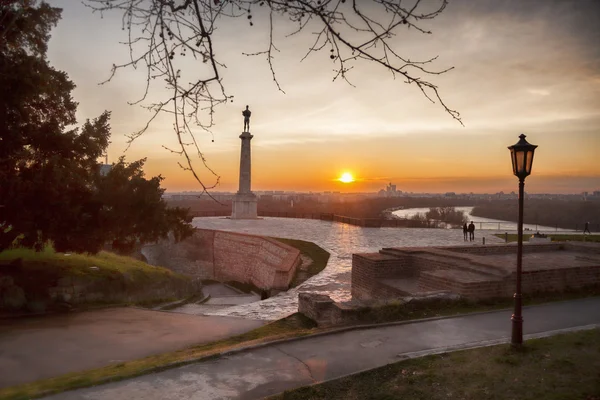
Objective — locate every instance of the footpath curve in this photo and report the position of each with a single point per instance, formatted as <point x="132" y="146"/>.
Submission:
<point x="256" y="373"/>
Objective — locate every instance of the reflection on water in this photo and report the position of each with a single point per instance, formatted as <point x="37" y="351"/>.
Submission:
<point x="484" y="223"/>
<point x="341" y="240"/>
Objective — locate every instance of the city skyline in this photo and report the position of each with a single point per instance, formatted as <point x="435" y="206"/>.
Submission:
<point x="519" y="68"/>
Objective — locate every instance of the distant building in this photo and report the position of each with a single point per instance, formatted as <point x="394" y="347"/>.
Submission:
<point x="390" y="191"/>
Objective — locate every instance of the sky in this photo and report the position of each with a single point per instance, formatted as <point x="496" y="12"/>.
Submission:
<point x="528" y="67"/>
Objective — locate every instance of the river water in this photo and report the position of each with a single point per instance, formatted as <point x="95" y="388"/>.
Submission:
<point x="340" y="240"/>
<point x="484" y="223"/>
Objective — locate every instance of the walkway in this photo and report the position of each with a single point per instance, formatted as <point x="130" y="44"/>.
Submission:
<point x="254" y="374"/>
<point x="43" y="347"/>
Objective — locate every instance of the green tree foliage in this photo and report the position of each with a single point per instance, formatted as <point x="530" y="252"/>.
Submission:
<point x="568" y="214"/>
<point x="133" y="208"/>
<point x="446" y="214"/>
<point x="50" y="183"/>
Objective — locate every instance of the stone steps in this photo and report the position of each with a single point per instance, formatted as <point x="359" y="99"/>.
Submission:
<point x="454" y="262"/>
<point x="464" y="283"/>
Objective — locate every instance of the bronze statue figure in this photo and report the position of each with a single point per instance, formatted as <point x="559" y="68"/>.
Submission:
<point x="246" y="113"/>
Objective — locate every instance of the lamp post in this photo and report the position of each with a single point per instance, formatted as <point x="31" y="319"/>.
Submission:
<point x="521" y="155"/>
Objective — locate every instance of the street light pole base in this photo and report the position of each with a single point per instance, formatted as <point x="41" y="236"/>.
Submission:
<point x="517" y="331"/>
<point x="517" y="324"/>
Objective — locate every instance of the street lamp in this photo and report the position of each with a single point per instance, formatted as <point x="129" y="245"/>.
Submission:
<point x="521" y="155"/>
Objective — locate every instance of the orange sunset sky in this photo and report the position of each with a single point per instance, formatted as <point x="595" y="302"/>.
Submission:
<point x="528" y="67"/>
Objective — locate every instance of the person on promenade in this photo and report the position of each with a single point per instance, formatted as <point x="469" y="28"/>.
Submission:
<point x="587" y="228"/>
<point x="465" y="230"/>
<point x="471" y="231"/>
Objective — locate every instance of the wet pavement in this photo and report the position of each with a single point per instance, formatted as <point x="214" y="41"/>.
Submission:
<point x="256" y="373"/>
<point x="340" y="240"/>
<point x="43" y="347"/>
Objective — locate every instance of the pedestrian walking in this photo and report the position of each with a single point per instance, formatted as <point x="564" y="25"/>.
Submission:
<point x="465" y="231"/>
<point x="587" y="228"/>
<point x="471" y="231"/>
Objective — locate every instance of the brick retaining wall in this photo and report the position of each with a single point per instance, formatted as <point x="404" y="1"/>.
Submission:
<point x="228" y="256"/>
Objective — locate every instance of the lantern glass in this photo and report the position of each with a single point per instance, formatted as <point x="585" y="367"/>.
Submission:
<point x="529" y="160"/>
<point x="520" y="161"/>
<point x="513" y="159"/>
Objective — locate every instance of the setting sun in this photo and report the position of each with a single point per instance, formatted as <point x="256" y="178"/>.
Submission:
<point x="346" y="177"/>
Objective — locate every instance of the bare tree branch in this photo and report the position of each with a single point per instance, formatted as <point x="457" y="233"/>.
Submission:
<point x="161" y="32"/>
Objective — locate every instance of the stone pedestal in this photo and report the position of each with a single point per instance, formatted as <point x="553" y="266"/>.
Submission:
<point x="244" y="206"/>
<point x="245" y="202"/>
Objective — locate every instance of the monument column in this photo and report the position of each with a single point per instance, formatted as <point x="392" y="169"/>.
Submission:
<point x="244" y="203"/>
<point x="245" y="164"/>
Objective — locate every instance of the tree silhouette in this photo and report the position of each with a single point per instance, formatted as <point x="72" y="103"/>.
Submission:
<point x="51" y="188"/>
<point x="162" y="32"/>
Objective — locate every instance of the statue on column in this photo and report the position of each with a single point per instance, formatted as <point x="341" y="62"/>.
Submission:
<point x="246" y="113"/>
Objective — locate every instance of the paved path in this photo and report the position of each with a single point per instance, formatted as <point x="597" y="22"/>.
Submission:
<point x="42" y="347"/>
<point x="265" y="371"/>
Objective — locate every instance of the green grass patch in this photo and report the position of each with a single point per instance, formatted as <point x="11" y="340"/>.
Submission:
<point x="35" y="272"/>
<point x="292" y="326"/>
<point x="318" y="255"/>
<point x="560" y="367"/>
<point x="512" y="237"/>
<point x="64" y="264"/>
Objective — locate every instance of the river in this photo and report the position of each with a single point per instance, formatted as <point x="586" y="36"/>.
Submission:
<point x="484" y="223"/>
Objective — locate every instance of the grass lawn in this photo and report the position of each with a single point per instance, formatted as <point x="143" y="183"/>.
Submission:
<point x="560" y="367"/>
<point x="318" y="255"/>
<point x="65" y="264"/>
<point x="292" y="326"/>
<point x="512" y="237"/>
<point x="35" y="272"/>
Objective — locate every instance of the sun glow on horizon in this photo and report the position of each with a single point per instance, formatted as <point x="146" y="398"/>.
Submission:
<point x="346" y="177"/>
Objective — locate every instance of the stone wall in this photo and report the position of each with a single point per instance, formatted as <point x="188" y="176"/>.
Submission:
<point x="77" y="290"/>
<point x="466" y="270"/>
<point x="227" y="256"/>
<point x="81" y="289"/>
<point x="369" y="269"/>
<point x="326" y="312"/>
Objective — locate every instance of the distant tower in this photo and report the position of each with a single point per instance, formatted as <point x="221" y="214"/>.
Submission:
<point x="244" y="203"/>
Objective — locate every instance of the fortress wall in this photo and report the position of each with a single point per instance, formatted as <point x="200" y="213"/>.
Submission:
<point x="474" y="279"/>
<point x="368" y="269"/>
<point x="228" y="256"/>
<point x="264" y="262"/>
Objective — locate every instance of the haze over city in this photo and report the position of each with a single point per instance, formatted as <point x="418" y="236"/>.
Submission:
<point x="519" y="67"/>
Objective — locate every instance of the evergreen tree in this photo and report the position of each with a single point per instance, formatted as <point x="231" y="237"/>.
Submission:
<point x="50" y="183"/>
